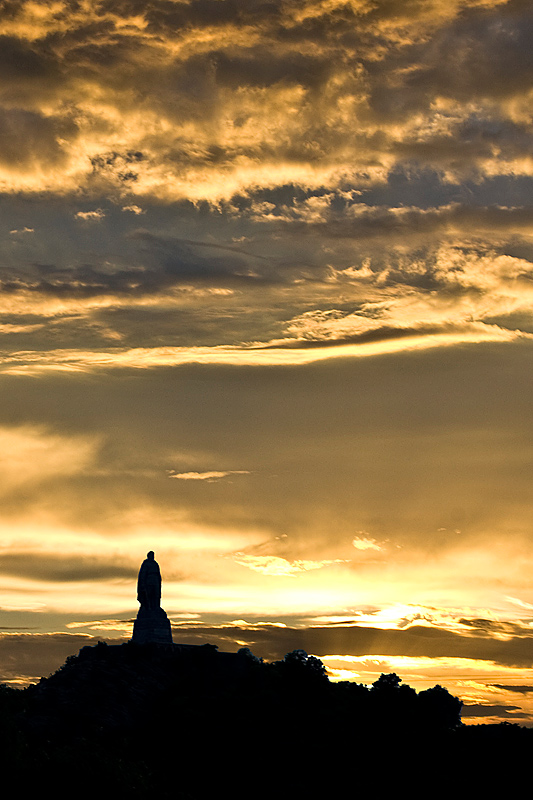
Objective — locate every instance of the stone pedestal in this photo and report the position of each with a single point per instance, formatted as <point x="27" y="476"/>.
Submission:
<point x="152" y="625"/>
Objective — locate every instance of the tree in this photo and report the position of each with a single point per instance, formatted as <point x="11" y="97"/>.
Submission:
<point x="439" y="708"/>
<point x="387" y="683"/>
<point x="300" y="663"/>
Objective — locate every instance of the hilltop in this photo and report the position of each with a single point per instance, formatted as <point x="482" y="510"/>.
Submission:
<point x="187" y="722"/>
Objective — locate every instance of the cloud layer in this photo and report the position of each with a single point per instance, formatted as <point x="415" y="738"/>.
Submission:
<point x="281" y="253"/>
<point x="302" y="171"/>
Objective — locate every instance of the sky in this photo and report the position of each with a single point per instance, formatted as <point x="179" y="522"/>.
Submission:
<point x="266" y="284"/>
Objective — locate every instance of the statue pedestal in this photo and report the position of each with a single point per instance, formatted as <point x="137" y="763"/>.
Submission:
<point x="152" y="625"/>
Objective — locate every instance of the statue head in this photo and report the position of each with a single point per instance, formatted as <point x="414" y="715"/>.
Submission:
<point x="150" y="555"/>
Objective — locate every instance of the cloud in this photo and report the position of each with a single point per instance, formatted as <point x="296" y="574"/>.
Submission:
<point x="71" y="568"/>
<point x="445" y="292"/>
<point x="360" y="221"/>
<point x="206" y="476"/>
<point x="134" y="209"/>
<point x="481" y="710"/>
<point x="35" y="363"/>
<point x="90" y="216"/>
<point x="520" y="603"/>
<point x="510" y="688"/>
<point x="9" y="328"/>
<point x="274" y="565"/>
<point x="34" y="455"/>
<point x="416" y="641"/>
<point x="272" y="101"/>
<point x="28" y="657"/>
<point x="384" y="462"/>
<point x="122" y="626"/>
<point x="366" y="543"/>
<point x="332" y="287"/>
<point x="27" y="138"/>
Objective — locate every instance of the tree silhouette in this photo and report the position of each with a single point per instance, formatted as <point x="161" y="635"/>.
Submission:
<point x="387" y="683"/>
<point x="131" y="709"/>
<point x="439" y="709"/>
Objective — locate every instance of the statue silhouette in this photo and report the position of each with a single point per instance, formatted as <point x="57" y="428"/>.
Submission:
<point x="149" y="583"/>
<point x="152" y="624"/>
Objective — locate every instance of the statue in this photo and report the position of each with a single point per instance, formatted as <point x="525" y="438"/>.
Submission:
<point x="149" y="583"/>
<point x="152" y="624"/>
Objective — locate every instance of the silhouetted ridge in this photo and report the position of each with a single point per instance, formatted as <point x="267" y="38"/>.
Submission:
<point x="184" y="721"/>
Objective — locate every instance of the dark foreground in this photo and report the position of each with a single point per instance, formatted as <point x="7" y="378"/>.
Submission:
<point x="176" y="722"/>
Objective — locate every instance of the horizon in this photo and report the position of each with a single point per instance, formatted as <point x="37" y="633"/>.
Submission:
<point x="266" y="294"/>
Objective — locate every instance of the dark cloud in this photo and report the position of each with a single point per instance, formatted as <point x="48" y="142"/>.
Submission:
<point x="67" y="568"/>
<point x="32" y="656"/>
<point x="491" y="55"/>
<point x="168" y="263"/>
<point x="489" y="62"/>
<point x="27" y="137"/>
<point x="183" y="261"/>
<point x="467" y="145"/>
<point x="510" y="688"/>
<point x="413" y="222"/>
<point x="384" y="333"/>
<point x="496" y="627"/>
<point x="163" y="16"/>
<point x="416" y="641"/>
<point x="120" y="164"/>
<point x="261" y="67"/>
<point x="368" y="59"/>
<point x="20" y="61"/>
<point x="491" y="710"/>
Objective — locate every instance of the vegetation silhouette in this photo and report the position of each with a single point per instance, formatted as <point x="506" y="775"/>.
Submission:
<point x="186" y="722"/>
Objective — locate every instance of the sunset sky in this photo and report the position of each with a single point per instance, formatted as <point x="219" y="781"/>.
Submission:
<point x="266" y="309"/>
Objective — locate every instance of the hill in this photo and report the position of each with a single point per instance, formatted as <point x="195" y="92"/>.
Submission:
<point x="188" y="722"/>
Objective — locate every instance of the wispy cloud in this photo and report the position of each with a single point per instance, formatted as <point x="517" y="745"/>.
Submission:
<point x="213" y="475"/>
<point x="277" y="566"/>
<point x="35" y="362"/>
<point x="365" y="542"/>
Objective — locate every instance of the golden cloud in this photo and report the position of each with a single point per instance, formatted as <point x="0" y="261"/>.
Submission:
<point x="171" y="104"/>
